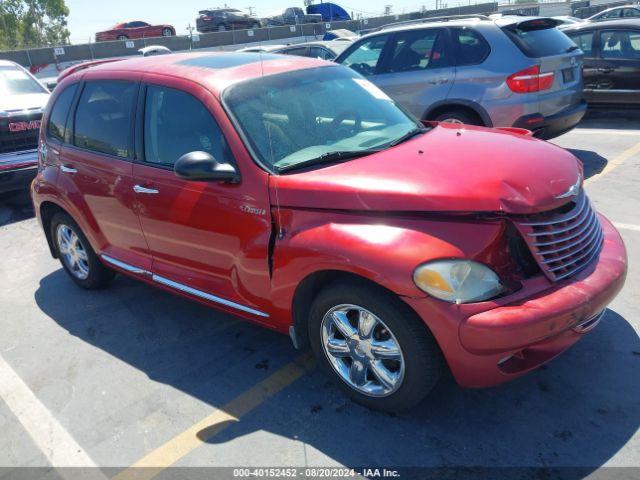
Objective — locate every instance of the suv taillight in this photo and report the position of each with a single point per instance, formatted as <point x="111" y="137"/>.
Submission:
<point x="530" y="80"/>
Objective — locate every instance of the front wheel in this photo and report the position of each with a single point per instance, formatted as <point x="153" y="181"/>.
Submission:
<point x="378" y="351"/>
<point x="458" y="117"/>
<point x="122" y="37"/>
<point x="167" y="32"/>
<point x="76" y="255"/>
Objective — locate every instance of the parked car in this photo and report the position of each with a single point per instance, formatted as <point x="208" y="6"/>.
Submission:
<point x="340" y="34"/>
<point x="507" y="72"/>
<point x="261" y="48"/>
<point x="319" y="49"/>
<point x="290" y="16"/>
<point x="152" y="50"/>
<point x="22" y="100"/>
<point x="566" y="21"/>
<point x="627" y="11"/>
<point x="133" y="30"/>
<point x="299" y="196"/>
<point x="611" y="60"/>
<point x="223" y="19"/>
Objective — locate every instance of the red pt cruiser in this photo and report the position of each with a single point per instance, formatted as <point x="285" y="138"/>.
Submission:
<point x="296" y="194"/>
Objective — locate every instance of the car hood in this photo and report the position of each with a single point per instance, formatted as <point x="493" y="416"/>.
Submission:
<point x="448" y="169"/>
<point x="23" y="102"/>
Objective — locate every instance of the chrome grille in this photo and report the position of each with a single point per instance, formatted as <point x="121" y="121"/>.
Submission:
<point x="563" y="243"/>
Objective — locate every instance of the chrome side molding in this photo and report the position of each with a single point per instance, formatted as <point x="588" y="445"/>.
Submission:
<point x="205" y="295"/>
<point x="181" y="287"/>
<point x="125" y="266"/>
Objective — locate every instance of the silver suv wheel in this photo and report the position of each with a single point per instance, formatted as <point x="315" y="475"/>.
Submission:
<point x="362" y="350"/>
<point x="73" y="252"/>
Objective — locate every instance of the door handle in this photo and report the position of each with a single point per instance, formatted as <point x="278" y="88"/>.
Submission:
<point x="148" y="191"/>
<point x="438" y="81"/>
<point x="605" y="70"/>
<point x="68" y="169"/>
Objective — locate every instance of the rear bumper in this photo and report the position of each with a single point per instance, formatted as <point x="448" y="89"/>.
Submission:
<point x="553" y="125"/>
<point x="17" y="170"/>
<point x="529" y="329"/>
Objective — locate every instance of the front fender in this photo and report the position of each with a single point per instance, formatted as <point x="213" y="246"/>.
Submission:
<point x="382" y="249"/>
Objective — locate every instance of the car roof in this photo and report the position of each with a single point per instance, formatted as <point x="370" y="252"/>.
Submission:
<point x="604" y="24"/>
<point x="8" y="63"/>
<point x="214" y="70"/>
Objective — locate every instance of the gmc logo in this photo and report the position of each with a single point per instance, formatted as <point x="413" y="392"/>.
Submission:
<point x="24" y="126"/>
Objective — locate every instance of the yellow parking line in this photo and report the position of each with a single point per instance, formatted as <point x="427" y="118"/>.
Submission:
<point x="166" y="455"/>
<point x="616" y="162"/>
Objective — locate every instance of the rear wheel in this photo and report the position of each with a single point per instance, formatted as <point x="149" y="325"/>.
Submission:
<point x="380" y="354"/>
<point x="167" y="32"/>
<point x="222" y="27"/>
<point x="458" y="117"/>
<point x="76" y="255"/>
<point x="122" y="37"/>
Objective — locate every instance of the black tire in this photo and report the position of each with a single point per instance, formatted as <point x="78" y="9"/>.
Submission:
<point x="254" y="25"/>
<point x="222" y="27"/>
<point x="99" y="276"/>
<point x="167" y="32"/>
<point x="459" y="116"/>
<point x="423" y="361"/>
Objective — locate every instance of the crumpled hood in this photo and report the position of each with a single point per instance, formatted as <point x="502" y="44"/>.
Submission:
<point x="449" y="169"/>
<point x="23" y="102"/>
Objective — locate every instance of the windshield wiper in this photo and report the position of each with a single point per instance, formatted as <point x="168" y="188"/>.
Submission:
<point x="329" y="157"/>
<point x="410" y="134"/>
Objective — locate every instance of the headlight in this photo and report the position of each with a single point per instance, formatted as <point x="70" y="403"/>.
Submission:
<point x="457" y="281"/>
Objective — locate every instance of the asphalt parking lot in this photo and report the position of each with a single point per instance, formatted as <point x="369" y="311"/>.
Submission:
<point x="133" y="376"/>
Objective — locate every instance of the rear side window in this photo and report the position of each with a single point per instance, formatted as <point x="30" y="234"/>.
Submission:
<point x="417" y="50"/>
<point x="175" y="123"/>
<point x="539" y="42"/>
<point x="322" y="53"/>
<point x="584" y="41"/>
<point x="103" y="118"/>
<point x="622" y="44"/>
<point x="301" y="51"/>
<point x="56" y="127"/>
<point x="471" y="48"/>
<point x="364" y="58"/>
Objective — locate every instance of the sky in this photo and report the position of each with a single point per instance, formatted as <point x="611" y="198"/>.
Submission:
<point x="87" y="17"/>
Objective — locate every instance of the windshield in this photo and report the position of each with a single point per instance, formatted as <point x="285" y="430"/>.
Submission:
<point x="295" y="117"/>
<point x="13" y="81"/>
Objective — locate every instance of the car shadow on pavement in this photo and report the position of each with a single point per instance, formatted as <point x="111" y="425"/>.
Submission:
<point x="613" y="118"/>
<point x="15" y="207"/>
<point x="578" y="411"/>
<point x="592" y="162"/>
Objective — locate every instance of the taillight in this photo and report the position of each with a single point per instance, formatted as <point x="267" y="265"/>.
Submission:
<point x="530" y="80"/>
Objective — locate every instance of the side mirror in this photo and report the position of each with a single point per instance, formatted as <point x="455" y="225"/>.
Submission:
<point x="202" y="166"/>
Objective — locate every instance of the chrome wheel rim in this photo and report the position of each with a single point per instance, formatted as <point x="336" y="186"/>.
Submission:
<point x="452" y="120"/>
<point x="72" y="251"/>
<point x="362" y="350"/>
<point x="166" y="32"/>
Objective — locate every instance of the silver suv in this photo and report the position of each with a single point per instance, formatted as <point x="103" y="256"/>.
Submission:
<point x="505" y="72"/>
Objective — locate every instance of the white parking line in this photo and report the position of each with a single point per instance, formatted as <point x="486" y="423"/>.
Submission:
<point x="606" y="131"/>
<point x="627" y="226"/>
<point x="51" y="438"/>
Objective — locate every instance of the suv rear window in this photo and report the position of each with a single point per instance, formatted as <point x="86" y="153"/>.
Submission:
<point x="538" y="41"/>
